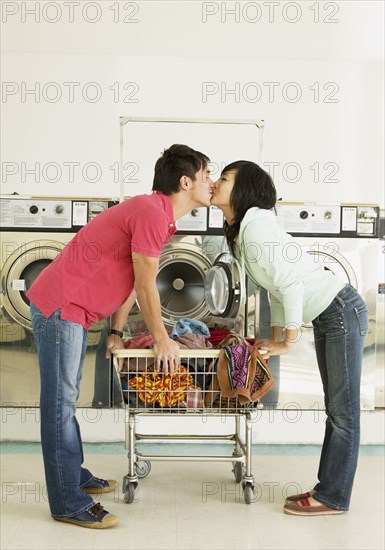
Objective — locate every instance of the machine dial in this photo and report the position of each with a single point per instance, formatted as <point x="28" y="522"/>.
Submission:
<point x="328" y="215"/>
<point x="303" y="214"/>
<point x="34" y="209"/>
<point x="59" y="209"/>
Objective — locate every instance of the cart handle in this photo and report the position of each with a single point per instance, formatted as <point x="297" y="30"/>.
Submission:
<point x="184" y="354"/>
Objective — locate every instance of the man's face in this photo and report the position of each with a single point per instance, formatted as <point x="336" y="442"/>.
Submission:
<point x="202" y="189"/>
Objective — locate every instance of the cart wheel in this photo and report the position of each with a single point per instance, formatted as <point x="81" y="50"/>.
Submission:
<point x="237" y="471"/>
<point x="248" y="493"/>
<point x="143" y="468"/>
<point x="129" y="493"/>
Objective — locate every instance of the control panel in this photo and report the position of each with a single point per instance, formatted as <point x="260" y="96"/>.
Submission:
<point x="202" y="221"/>
<point x="29" y="213"/>
<point x="49" y="213"/>
<point x="345" y="220"/>
<point x="309" y="218"/>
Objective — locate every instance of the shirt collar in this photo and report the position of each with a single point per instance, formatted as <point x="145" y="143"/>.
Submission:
<point x="167" y="205"/>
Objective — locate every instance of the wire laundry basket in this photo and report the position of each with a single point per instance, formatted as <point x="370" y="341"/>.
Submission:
<point x="193" y="390"/>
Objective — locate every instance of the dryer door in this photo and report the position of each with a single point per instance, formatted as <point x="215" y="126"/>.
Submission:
<point x="225" y="287"/>
<point x="327" y="254"/>
<point x="19" y="272"/>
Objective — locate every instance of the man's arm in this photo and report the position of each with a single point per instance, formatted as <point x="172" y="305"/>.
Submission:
<point x="166" y="350"/>
<point x="118" y="320"/>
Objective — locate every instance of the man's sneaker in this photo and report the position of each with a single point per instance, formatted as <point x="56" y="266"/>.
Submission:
<point x="94" y="518"/>
<point x="99" y="486"/>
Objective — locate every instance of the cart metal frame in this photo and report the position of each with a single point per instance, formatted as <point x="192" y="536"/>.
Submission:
<point x="139" y="464"/>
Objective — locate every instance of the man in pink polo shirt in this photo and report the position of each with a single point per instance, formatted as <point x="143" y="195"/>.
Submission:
<point x="97" y="275"/>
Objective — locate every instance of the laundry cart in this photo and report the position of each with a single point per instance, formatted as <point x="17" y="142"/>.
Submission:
<point x="193" y="390"/>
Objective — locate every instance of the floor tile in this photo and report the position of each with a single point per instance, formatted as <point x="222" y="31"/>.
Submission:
<point x="195" y="505"/>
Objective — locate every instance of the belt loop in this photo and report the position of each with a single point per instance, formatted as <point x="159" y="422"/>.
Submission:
<point x="340" y="301"/>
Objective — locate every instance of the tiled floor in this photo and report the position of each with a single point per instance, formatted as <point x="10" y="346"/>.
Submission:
<point x="188" y="505"/>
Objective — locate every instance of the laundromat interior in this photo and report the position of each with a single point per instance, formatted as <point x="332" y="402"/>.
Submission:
<point x="92" y="94"/>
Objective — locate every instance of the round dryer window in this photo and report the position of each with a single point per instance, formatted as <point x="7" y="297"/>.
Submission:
<point x="19" y="272"/>
<point x="217" y="289"/>
<point x="225" y="287"/>
<point x="332" y="260"/>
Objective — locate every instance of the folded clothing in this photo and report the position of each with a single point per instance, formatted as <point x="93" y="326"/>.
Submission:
<point x="192" y="341"/>
<point x="217" y="336"/>
<point x="140" y="341"/>
<point x="186" y="325"/>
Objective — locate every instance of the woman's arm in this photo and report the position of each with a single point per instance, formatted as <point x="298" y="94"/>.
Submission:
<point x="276" y="345"/>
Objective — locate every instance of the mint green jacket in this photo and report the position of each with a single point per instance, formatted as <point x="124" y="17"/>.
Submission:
<point x="300" y="288"/>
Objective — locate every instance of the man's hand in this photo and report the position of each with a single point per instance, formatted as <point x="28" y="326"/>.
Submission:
<point x="114" y="342"/>
<point x="167" y="352"/>
<point x="272" y="348"/>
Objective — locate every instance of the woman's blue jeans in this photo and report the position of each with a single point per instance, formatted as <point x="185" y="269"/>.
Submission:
<point x="339" y="335"/>
<point x="61" y="347"/>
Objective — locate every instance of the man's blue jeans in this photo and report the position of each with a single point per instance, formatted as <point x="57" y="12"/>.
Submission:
<point x="339" y="335"/>
<point x="61" y="347"/>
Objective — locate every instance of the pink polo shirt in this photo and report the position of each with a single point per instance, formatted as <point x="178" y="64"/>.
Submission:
<point x="93" y="275"/>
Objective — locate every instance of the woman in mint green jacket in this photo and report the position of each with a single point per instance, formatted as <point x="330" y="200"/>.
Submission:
<point x="301" y="291"/>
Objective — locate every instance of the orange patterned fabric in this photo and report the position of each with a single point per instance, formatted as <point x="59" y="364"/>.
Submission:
<point x="160" y="390"/>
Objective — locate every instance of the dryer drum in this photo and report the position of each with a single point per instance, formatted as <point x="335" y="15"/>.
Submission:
<point x="181" y="285"/>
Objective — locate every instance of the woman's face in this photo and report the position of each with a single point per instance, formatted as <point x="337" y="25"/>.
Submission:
<point x="223" y="188"/>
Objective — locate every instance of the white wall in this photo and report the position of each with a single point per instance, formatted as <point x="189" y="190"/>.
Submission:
<point x="342" y="141"/>
<point x="324" y="110"/>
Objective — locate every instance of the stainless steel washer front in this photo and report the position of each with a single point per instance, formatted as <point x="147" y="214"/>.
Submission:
<point x="33" y="232"/>
<point x="334" y="242"/>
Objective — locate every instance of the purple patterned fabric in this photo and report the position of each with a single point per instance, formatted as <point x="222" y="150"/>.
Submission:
<point x="238" y="365"/>
<point x="243" y="373"/>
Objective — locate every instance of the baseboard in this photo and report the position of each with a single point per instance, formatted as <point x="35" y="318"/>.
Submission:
<point x="269" y="426"/>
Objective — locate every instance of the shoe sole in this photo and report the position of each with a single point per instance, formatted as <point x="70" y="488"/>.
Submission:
<point x="91" y="525"/>
<point x="100" y="491"/>
<point x="320" y="513"/>
<point x="296" y="498"/>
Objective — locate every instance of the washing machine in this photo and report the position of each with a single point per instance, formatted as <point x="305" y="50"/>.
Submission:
<point x="199" y="279"/>
<point x="343" y="238"/>
<point x="33" y="231"/>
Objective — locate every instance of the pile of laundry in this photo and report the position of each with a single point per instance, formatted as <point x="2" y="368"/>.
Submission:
<point x="240" y="377"/>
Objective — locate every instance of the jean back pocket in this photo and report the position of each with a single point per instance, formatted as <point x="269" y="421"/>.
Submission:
<point x="362" y="315"/>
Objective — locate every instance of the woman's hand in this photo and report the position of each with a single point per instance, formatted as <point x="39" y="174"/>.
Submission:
<point x="271" y="347"/>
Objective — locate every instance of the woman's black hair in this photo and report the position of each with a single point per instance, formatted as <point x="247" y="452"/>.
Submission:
<point x="252" y="187"/>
